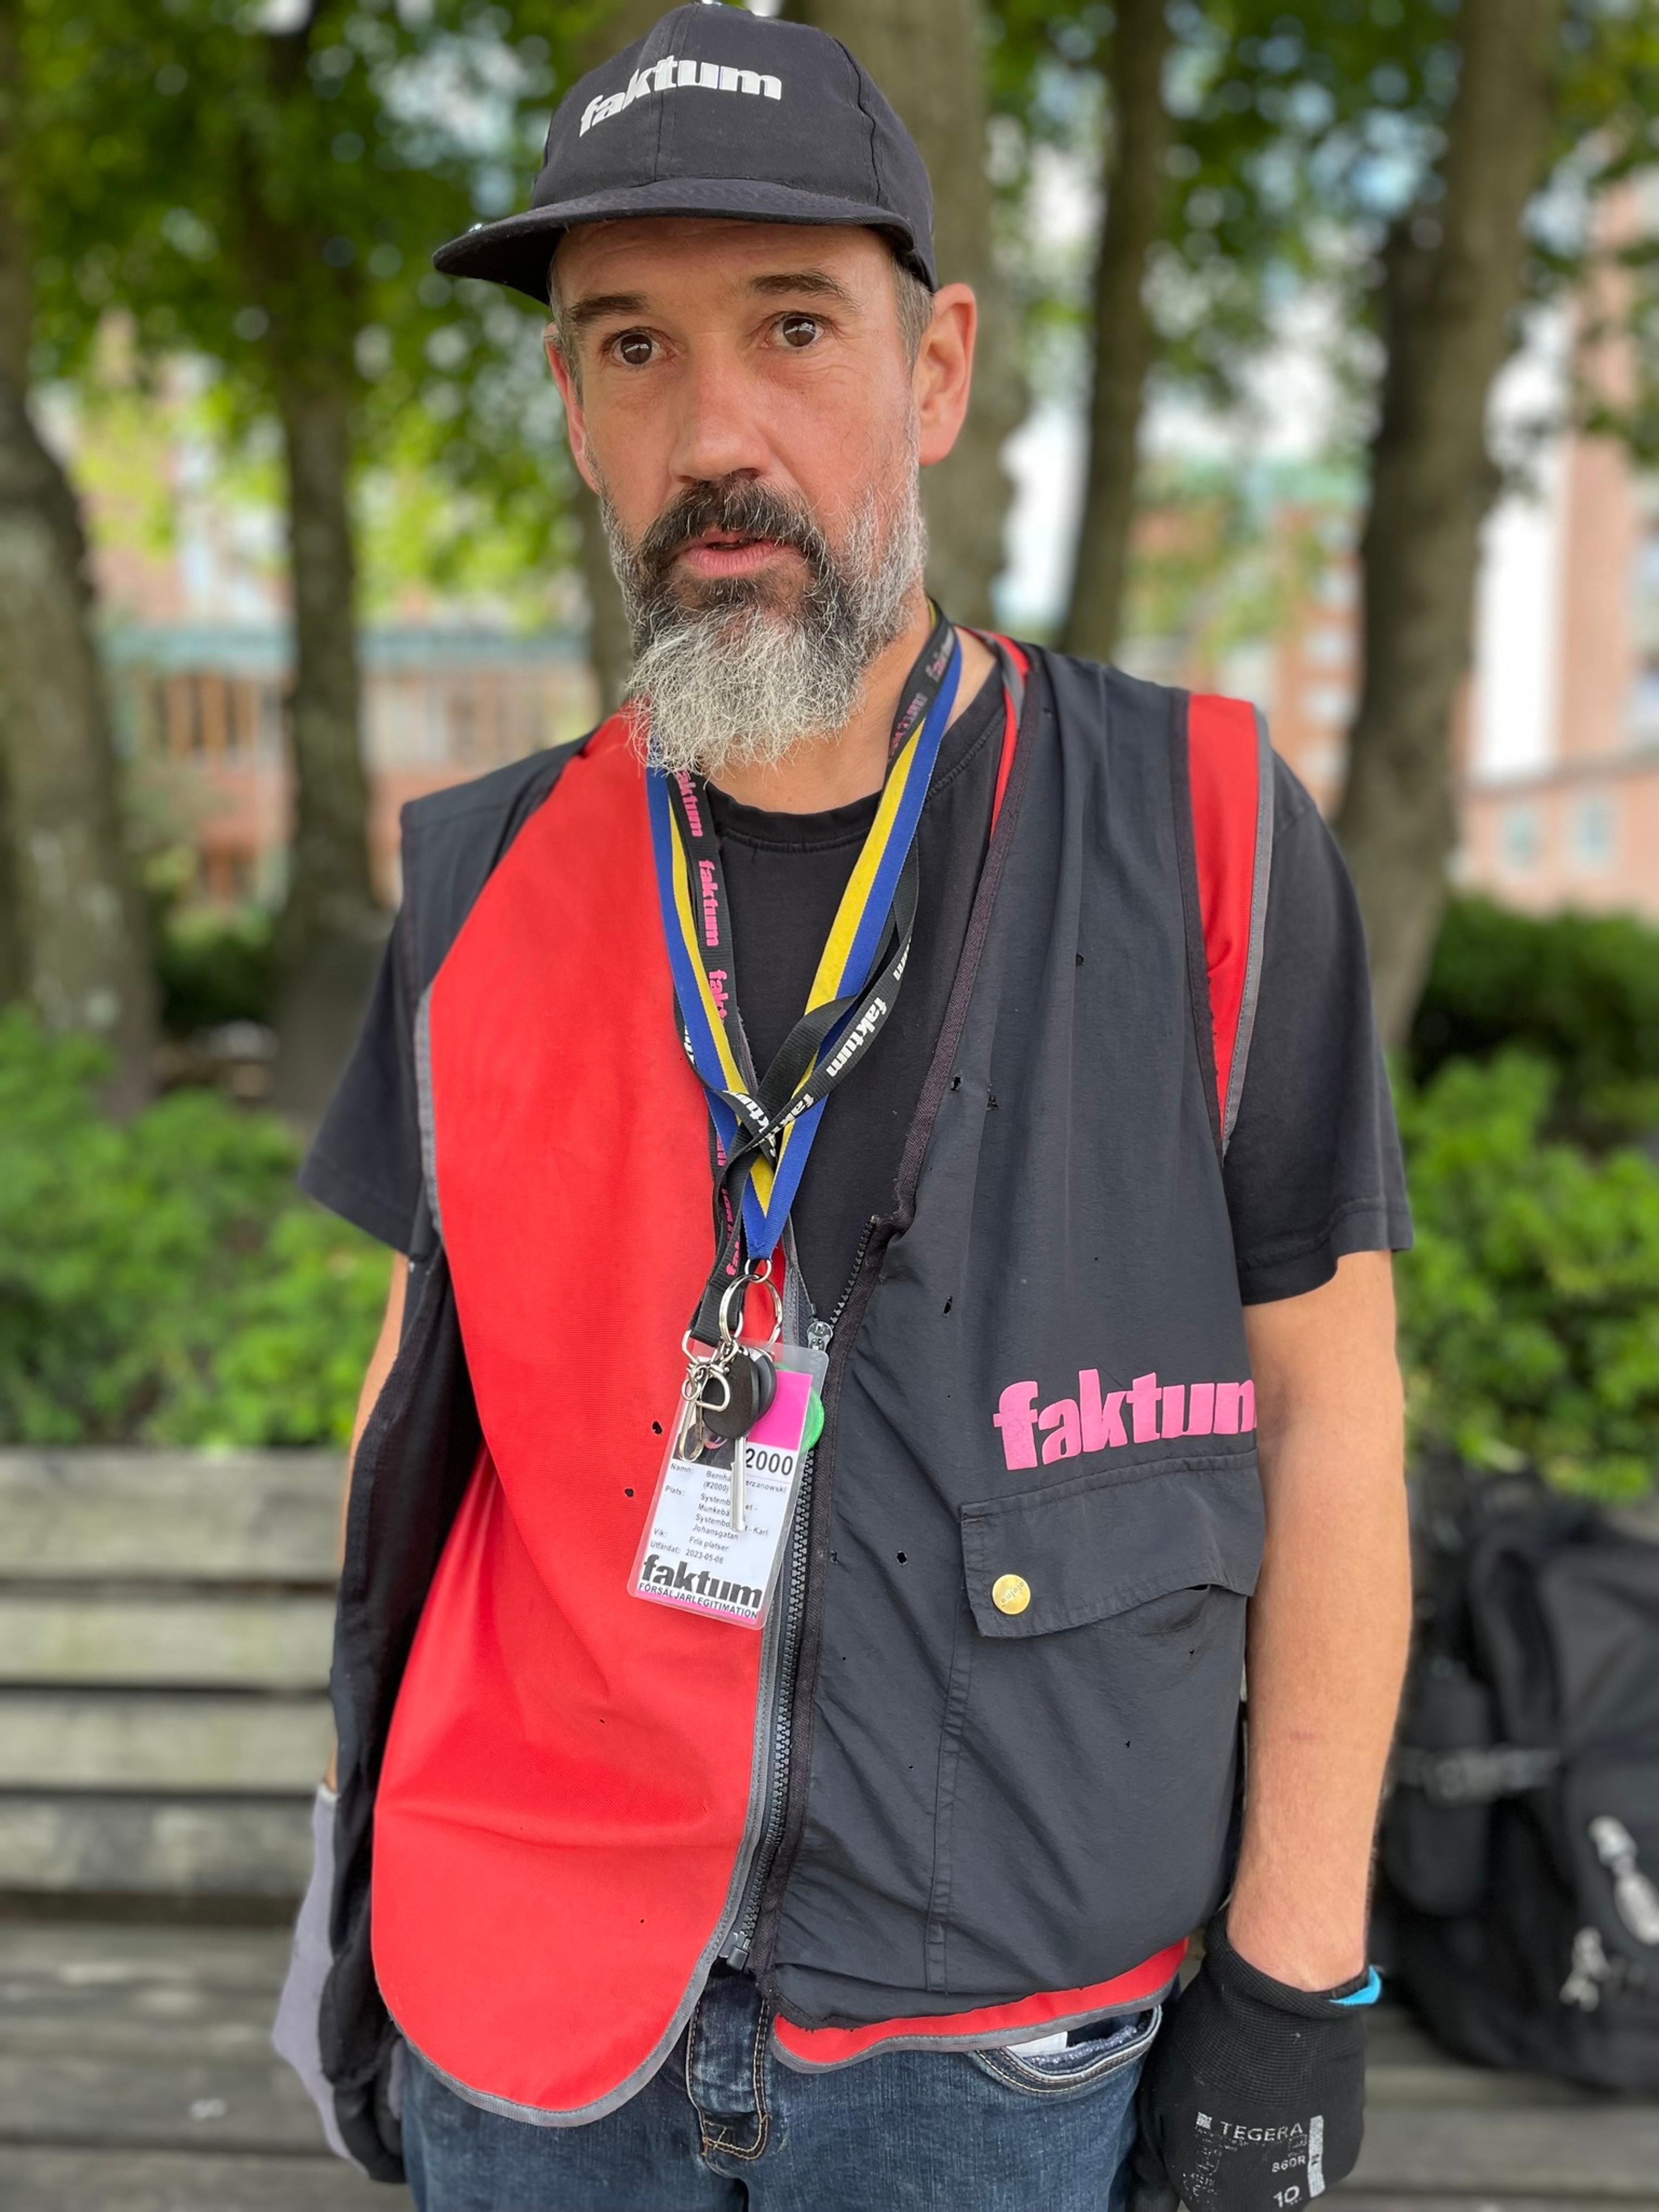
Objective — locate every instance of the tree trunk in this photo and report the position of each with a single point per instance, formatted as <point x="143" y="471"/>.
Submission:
<point x="1452" y="281"/>
<point x="331" y="928"/>
<point x="78" y="936"/>
<point x="926" y="56"/>
<point x="1123" y="338"/>
<point x="15" y="319"/>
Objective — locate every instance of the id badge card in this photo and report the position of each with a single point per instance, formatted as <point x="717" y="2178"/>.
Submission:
<point x="692" y="1555"/>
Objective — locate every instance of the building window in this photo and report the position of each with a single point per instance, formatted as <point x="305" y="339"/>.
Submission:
<point x="1647" y="592"/>
<point x="1645" y="706"/>
<point x="1327" y="705"/>
<point x="1521" y="839"/>
<point x="1328" y="647"/>
<point x="1595" y="833"/>
<point x="1323" y="763"/>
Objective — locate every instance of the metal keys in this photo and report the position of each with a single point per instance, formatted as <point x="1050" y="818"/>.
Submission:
<point x="750" y="1383"/>
<point x="727" y="1390"/>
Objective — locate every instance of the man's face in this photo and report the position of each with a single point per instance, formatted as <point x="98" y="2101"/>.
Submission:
<point x="767" y="353"/>
<point x="748" y="405"/>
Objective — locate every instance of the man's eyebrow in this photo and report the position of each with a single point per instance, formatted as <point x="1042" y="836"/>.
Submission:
<point x="814" y="284"/>
<point x="597" y="304"/>
<point x="783" y="283"/>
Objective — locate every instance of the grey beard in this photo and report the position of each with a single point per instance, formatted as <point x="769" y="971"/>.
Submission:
<point x="744" y="680"/>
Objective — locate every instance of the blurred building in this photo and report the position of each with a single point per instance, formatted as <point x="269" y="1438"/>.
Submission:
<point x="190" y="575"/>
<point x="1248" y="582"/>
<point x="202" y="708"/>
<point x="1557" y="731"/>
<point x="1558" y="734"/>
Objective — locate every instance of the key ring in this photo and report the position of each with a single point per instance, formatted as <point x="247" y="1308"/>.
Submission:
<point x="740" y="1290"/>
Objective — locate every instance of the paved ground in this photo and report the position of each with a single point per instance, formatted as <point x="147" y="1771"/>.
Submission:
<point x="136" y="2076"/>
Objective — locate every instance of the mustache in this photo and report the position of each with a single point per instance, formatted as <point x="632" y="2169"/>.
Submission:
<point x="736" y="507"/>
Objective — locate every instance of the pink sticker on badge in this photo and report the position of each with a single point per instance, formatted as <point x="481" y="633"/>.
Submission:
<point x="785" y="1418"/>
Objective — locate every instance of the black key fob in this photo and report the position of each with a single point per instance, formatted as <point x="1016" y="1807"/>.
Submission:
<point x="752" y="1382"/>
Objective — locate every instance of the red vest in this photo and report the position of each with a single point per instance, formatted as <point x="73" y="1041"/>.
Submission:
<point x="568" y="1785"/>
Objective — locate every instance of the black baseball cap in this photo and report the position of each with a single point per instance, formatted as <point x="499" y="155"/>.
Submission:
<point x="715" y="111"/>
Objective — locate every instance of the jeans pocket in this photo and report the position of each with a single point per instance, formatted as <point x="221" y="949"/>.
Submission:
<point x="1089" y="2057"/>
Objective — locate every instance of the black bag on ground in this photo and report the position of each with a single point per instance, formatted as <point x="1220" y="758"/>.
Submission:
<point x="1519" y="1905"/>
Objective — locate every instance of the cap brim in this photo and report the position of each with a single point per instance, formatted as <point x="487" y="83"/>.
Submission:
<point x="519" y="250"/>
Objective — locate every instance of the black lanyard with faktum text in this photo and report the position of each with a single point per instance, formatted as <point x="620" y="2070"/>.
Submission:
<point x="762" y="1129"/>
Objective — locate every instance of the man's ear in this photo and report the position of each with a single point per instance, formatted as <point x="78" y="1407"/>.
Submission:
<point x="575" y="426"/>
<point x="944" y="373"/>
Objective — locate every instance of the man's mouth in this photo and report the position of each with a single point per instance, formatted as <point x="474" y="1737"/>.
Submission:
<point x="730" y="553"/>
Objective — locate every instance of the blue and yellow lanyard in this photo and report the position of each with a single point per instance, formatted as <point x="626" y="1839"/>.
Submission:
<point x="764" y="1129"/>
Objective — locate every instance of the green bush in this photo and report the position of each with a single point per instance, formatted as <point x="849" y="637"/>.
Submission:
<point x="1530" y="1309"/>
<point x="1581" y="990"/>
<point x="164" y="1282"/>
<point x="216" y="967"/>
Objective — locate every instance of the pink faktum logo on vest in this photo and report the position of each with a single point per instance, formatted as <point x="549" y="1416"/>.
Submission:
<point x="1142" y="1414"/>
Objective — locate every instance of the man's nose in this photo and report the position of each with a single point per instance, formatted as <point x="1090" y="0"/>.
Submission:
<point x="718" y="432"/>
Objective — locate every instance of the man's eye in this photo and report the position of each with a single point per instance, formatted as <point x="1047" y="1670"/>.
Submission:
<point x="633" y="349"/>
<point x="798" y="331"/>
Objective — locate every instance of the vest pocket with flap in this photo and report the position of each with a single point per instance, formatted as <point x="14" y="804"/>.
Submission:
<point x="1092" y="1714"/>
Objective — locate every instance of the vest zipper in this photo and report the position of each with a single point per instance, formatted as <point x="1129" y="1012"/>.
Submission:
<point x="830" y="1327"/>
<point x="820" y="1335"/>
<point x="764" y="1894"/>
<point x="735" y="1951"/>
<point x="807" y="1631"/>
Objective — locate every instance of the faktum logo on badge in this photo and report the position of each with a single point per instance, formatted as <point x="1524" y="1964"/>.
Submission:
<point x="673" y="75"/>
<point x="657" y="1574"/>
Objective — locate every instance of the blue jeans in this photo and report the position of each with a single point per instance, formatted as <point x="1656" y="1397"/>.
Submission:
<point x="724" y="2125"/>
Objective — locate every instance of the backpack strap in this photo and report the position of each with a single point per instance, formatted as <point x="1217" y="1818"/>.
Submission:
<point x="1224" y="780"/>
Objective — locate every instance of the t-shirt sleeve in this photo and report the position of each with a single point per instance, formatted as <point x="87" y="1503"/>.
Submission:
<point x="1313" y="1170"/>
<point x="365" y="1162"/>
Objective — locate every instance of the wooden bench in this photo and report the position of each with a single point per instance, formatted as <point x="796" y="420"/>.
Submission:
<point x="165" y="1629"/>
<point x="164" y="1643"/>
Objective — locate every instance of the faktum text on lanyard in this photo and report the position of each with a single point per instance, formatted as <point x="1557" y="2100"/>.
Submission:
<point x="762" y="1126"/>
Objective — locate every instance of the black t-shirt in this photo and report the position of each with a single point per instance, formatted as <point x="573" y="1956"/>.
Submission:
<point x="785" y="874"/>
<point x="1313" y="1170"/>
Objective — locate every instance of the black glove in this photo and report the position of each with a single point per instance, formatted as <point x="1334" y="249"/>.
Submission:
<point x="1254" y="2097"/>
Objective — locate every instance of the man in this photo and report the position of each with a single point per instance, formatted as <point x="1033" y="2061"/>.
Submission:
<point x="889" y="1037"/>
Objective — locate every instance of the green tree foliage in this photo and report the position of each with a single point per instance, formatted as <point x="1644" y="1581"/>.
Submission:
<point x="1530" y="1307"/>
<point x="1579" y="990"/>
<point x="1429" y="166"/>
<point x="163" y="1281"/>
<point x="260" y="185"/>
